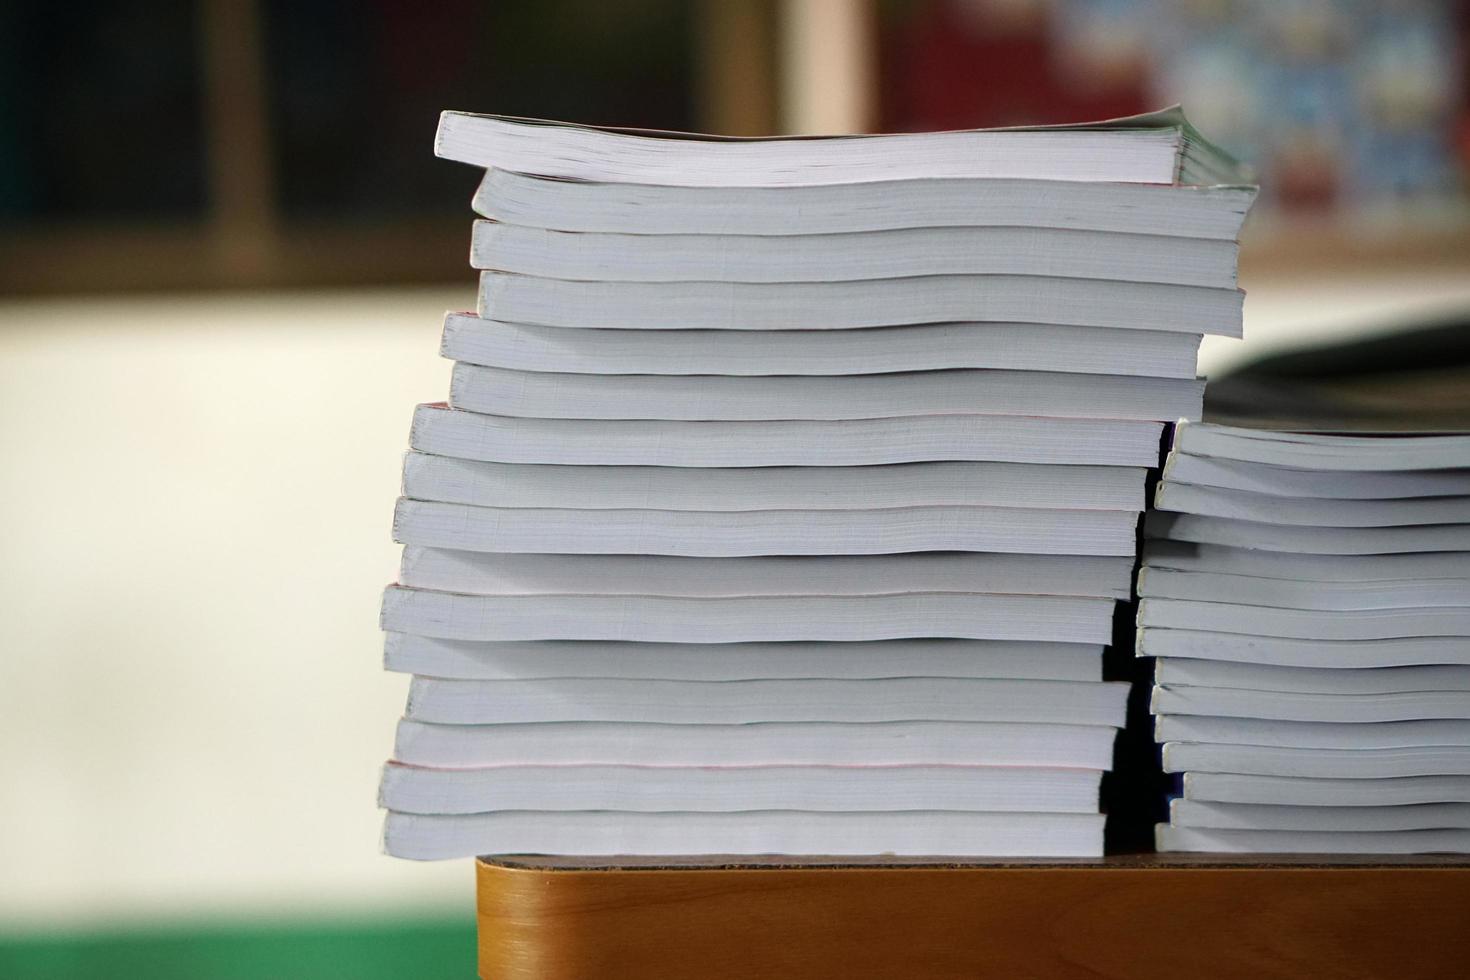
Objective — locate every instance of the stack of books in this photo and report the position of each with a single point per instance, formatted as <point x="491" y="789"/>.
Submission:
<point x="787" y="488"/>
<point x="1307" y="598"/>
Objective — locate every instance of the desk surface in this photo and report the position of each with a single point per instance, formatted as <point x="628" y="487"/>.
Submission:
<point x="718" y="862"/>
<point x="1136" y="917"/>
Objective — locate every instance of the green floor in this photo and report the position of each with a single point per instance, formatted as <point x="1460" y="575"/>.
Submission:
<point x="368" y="950"/>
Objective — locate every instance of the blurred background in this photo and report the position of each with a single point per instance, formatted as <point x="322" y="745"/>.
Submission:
<point x="225" y="245"/>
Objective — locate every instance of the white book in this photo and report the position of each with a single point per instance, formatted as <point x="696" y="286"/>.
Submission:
<point x="1270" y="760"/>
<point x="858" y="442"/>
<point x="1258" y="816"/>
<point x="882" y="205"/>
<point x="954" y="483"/>
<point x="1304" y="624"/>
<point x="1311" y="512"/>
<point x="548" y="395"/>
<point x="854" y="305"/>
<point x="906" y="833"/>
<point x="847" y="256"/>
<point x="1155" y="148"/>
<point x="655" y="789"/>
<point x="1283" y="481"/>
<point x="1285" y="706"/>
<point x="550" y="530"/>
<point x="1311" y="734"/>
<point x="1307" y="570"/>
<point x="673" y="619"/>
<point x="490" y="573"/>
<point x="1305" y="451"/>
<point x="739" y="702"/>
<point x="1253" y="590"/>
<point x="1169" y="838"/>
<point x="1310" y="680"/>
<point x="878" y="350"/>
<point x="1219" y="787"/>
<point x="1398" y="652"/>
<point x="1307" y="540"/>
<point x="471" y="660"/>
<point x="892" y="743"/>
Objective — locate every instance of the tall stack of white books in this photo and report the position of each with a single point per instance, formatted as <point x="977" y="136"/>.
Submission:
<point x="1307" y="598"/>
<point x="787" y="488"/>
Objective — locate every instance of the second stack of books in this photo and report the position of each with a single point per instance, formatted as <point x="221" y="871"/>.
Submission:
<point x="1308" y="600"/>
<point x="782" y="509"/>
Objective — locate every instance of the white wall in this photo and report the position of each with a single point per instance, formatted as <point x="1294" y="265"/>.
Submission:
<point x="194" y="517"/>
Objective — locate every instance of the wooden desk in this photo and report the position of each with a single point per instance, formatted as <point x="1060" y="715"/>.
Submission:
<point x="1140" y="917"/>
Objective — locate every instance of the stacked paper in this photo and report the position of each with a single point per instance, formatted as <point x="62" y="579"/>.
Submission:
<point x="786" y="489"/>
<point x="1307" y="598"/>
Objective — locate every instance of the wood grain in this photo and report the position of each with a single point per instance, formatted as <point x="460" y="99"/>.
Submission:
<point x="1134" y="918"/>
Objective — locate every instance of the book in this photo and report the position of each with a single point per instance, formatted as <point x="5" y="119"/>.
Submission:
<point x="1312" y="511"/>
<point x="1155" y="148"/>
<point x="684" y="619"/>
<point x="1297" y="762"/>
<point x="547" y="395"/>
<point x="847" y="353"/>
<point x="1313" y="842"/>
<point x="1253" y="590"/>
<point x="1311" y="734"/>
<point x="910" y="832"/>
<point x="1308" y="540"/>
<point x="1183" y="211"/>
<point x="528" y="660"/>
<point x="1306" y="624"/>
<point x="1285" y="481"/>
<point x="1287" y="652"/>
<point x="498" y="573"/>
<point x="740" y="702"/>
<point x="1311" y="451"/>
<point x="849" y="256"/>
<point x="655" y="789"/>
<point x="1300" y="791"/>
<point x="862" y="303"/>
<point x="1170" y="671"/>
<point x="881" y="743"/>
<point x="1288" y="706"/>
<point x="1310" y="570"/>
<point x="1256" y="816"/>
<point x="956" y="483"/>
<point x="443" y="431"/>
<point x="763" y="532"/>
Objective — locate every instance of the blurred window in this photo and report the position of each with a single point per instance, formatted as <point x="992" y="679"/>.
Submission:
<point x="355" y="88"/>
<point x="100" y="113"/>
<point x="197" y="143"/>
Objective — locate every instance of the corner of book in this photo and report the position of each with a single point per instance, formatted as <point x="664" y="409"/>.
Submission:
<point x="449" y="121"/>
<point x="414" y="425"/>
<point x="383" y="831"/>
<point x="439" y="133"/>
<point x="385" y="610"/>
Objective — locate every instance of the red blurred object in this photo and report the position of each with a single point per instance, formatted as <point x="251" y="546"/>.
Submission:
<point x="955" y="64"/>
